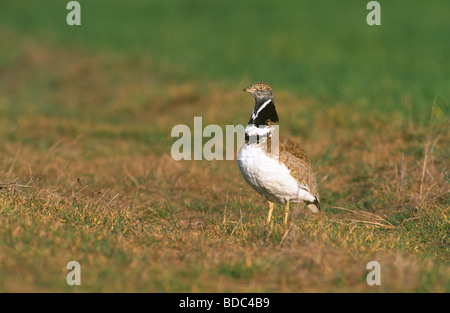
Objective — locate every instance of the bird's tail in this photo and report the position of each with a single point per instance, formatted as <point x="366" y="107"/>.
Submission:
<point x="314" y="206"/>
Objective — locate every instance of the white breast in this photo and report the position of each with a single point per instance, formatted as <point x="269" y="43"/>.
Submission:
<point x="269" y="177"/>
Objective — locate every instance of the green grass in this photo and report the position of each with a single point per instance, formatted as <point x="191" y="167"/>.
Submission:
<point x="85" y="167"/>
<point x="316" y="49"/>
<point x="119" y="251"/>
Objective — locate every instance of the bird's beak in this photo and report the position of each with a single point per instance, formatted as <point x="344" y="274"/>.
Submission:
<point x="248" y="89"/>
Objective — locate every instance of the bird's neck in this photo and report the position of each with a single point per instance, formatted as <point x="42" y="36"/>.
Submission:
<point x="264" y="112"/>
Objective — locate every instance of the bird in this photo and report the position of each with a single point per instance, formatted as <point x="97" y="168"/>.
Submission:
<point x="275" y="166"/>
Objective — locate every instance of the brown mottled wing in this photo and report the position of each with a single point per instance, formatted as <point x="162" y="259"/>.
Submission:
<point x="297" y="161"/>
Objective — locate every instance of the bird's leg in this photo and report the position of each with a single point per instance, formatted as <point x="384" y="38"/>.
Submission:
<point x="270" y="212"/>
<point x="286" y="211"/>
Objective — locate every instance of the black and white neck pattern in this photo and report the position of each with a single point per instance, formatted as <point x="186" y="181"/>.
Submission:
<point x="264" y="113"/>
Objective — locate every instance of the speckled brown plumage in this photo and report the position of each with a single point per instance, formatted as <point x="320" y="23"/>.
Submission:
<point x="297" y="161"/>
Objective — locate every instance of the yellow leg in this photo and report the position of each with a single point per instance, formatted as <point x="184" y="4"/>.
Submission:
<point x="269" y="217"/>
<point x="286" y="212"/>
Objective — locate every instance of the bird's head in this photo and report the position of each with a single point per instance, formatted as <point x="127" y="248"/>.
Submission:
<point x="260" y="90"/>
<point x="264" y="112"/>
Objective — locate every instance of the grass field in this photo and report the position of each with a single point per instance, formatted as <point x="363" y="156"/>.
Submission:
<point x="86" y="174"/>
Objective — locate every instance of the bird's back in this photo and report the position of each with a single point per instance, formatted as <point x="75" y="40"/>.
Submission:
<point x="297" y="161"/>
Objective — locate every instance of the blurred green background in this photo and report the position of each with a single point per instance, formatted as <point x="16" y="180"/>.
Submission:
<point x="319" y="49"/>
